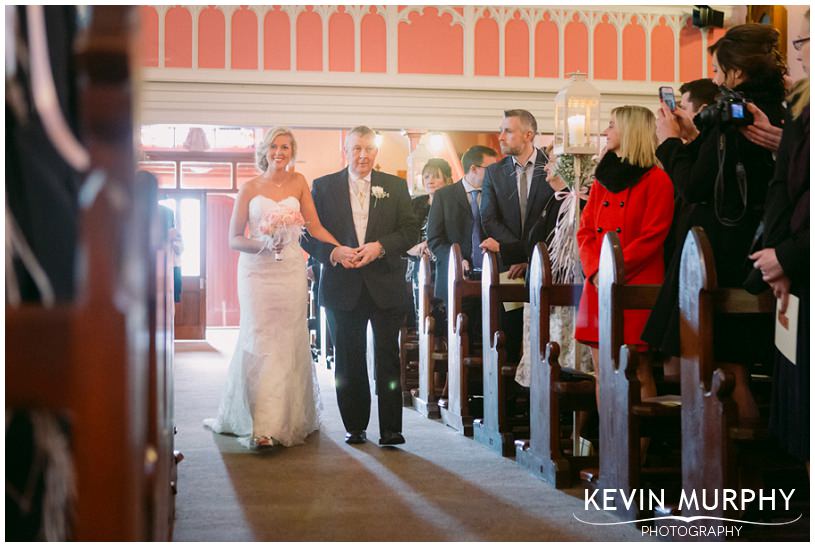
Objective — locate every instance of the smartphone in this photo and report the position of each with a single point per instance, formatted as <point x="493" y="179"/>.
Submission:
<point x="667" y="95"/>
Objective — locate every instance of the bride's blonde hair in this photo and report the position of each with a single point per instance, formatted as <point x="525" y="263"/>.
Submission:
<point x="263" y="147"/>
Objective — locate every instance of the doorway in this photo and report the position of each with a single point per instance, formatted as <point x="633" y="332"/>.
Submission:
<point x="189" y="209"/>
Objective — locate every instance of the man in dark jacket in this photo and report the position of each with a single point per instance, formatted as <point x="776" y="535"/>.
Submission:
<point x="370" y="215"/>
<point x="695" y="96"/>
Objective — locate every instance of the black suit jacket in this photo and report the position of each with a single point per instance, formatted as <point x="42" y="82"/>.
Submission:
<point x="390" y="221"/>
<point x="450" y="221"/>
<point x="501" y="210"/>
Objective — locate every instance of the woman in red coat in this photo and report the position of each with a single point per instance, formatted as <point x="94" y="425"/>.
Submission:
<point x="634" y="198"/>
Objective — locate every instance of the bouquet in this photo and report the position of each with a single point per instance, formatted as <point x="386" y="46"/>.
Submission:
<point x="281" y="228"/>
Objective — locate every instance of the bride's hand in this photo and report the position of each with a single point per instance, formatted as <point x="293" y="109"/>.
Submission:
<point x="344" y="256"/>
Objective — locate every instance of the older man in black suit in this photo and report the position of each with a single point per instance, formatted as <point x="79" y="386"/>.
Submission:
<point x="363" y="280"/>
<point x="514" y="195"/>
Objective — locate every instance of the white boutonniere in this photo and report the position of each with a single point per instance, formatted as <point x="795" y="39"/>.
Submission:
<point x="378" y="193"/>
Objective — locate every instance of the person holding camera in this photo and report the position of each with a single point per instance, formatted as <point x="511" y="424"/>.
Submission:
<point x="696" y="95"/>
<point x="723" y="176"/>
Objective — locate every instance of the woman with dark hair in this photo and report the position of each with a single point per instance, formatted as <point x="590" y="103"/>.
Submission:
<point x="435" y="174"/>
<point x="784" y="263"/>
<point x="723" y="177"/>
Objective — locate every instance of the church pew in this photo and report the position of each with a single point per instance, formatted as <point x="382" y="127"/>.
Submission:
<point x="553" y="389"/>
<point x="101" y="361"/>
<point x="463" y="361"/>
<point x="162" y="458"/>
<point x="94" y="370"/>
<point x="431" y="360"/>
<point x="712" y="437"/>
<point x="497" y="429"/>
<point x="623" y="415"/>
<point x="408" y="361"/>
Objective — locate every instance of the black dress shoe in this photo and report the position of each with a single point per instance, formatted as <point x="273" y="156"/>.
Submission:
<point x="389" y="439"/>
<point x="355" y="437"/>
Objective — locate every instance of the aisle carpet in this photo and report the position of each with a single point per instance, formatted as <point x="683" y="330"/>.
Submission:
<point x="440" y="486"/>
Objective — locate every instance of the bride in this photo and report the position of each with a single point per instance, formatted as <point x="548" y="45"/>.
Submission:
<point x="271" y="394"/>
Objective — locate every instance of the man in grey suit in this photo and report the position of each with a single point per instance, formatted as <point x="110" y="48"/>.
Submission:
<point x="515" y="193"/>
<point x="363" y="280"/>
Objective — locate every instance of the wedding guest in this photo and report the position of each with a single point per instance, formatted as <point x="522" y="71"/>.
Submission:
<point x="695" y="96"/>
<point x="727" y="190"/>
<point x="784" y="262"/>
<point x="454" y="218"/>
<point x="632" y="197"/>
<point x="436" y="174"/>
<point x="449" y="222"/>
<point x="513" y="197"/>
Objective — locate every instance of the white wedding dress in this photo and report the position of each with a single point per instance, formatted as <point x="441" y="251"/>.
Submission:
<point x="271" y="392"/>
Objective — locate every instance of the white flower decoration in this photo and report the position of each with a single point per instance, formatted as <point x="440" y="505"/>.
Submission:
<point x="378" y="193"/>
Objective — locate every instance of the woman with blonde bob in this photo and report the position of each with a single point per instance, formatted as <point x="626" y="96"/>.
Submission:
<point x="634" y="198"/>
<point x="271" y="395"/>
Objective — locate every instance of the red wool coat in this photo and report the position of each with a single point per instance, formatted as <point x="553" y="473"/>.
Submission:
<point x="641" y="215"/>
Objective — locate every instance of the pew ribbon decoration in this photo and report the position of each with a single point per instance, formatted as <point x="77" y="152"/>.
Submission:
<point x="280" y="229"/>
<point x="577" y="171"/>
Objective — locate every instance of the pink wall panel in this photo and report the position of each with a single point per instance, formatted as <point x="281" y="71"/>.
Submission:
<point x="690" y="53"/>
<point x="341" y="41"/>
<point x="276" y="40"/>
<point x="633" y="51"/>
<point x="431" y="44"/>
<point x="309" y="40"/>
<point x="486" y="47"/>
<point x="149" y="35"/>
<point x="605" y="50"/>
<point x="244" y="39"/>
<point x="713" y="36"/>
<point x="546" y="48"/>
<point x="576" y="48"/>
<point x="211" y="39"/>
<point x="373" y="43"/>
<point x="516" y="51"/>
<point x="178" y="38"/>
<point x="662" y="52"/>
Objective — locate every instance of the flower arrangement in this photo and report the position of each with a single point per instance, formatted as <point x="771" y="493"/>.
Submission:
<point x="564" y="168"/>
<point x="281" y="228"/>
<point x="563" y="250"/>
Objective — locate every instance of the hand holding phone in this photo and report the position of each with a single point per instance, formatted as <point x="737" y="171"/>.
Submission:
<point x="666" y="94"/>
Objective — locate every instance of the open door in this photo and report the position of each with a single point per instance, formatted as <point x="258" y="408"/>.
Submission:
<point x="190" y="219"/>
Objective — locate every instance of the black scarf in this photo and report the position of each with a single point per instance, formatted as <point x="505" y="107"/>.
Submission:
<point x="617" y="175"/>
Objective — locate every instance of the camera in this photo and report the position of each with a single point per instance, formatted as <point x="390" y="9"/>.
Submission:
<point x="730" y="109"/>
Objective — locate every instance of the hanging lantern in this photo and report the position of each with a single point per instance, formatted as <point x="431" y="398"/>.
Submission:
<point x="577" y="117"/>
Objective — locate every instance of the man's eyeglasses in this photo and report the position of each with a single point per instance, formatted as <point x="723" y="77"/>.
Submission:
<point x="799" y="43"/>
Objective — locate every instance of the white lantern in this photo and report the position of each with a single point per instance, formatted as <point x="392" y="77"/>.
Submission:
<point x="577" y="117"/>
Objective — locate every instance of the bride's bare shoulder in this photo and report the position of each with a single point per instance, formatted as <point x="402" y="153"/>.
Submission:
<point x="299" y="178"/>
<point x="250" y="188"/>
